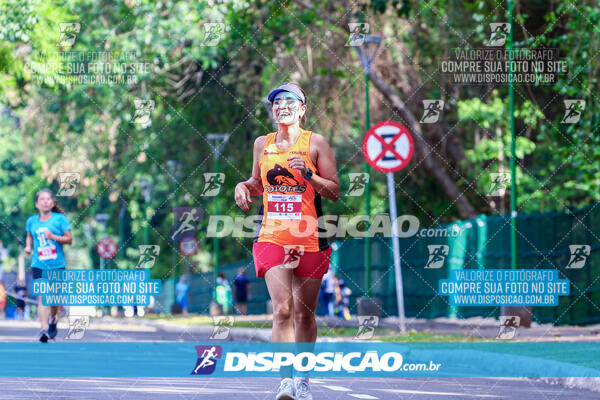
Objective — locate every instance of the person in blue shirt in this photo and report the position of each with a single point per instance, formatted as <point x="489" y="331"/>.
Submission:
<point x="242" y="289"/>
<point x="47" y="232"/>
<point x="182" y="289"/>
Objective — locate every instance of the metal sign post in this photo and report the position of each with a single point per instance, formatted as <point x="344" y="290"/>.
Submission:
<point x="102" y="218"/>
<point x="218" y="142"/>
<point x="396" y="248"/>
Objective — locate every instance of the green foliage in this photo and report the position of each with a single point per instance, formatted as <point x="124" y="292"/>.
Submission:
<point x="199" y="89"/>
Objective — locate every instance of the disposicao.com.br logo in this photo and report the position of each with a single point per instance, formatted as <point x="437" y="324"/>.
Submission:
<point x="323" y="362"/>
<point x="327" y="226"/>
<point x="351" y="362"/>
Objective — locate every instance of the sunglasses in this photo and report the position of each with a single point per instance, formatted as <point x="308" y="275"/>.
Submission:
<point x="285" y="102"/>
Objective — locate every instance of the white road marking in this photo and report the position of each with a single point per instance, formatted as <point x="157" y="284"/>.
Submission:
<point x="190" y="390"/>
<point x="363" y="396"/>
<point x="337" y="388"/>
<point x="437" y="393"/>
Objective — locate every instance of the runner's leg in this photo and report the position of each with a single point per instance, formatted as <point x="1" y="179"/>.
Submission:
<point x="279" y="284"/>
<point x="43" y="313"/>
<point x="54" y="311"/>
<point x="306" y="295"/>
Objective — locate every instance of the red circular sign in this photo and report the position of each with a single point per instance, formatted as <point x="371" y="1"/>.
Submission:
<point x="388" y="146"/>
<point x="188" y="245"/>
<point x="107" y="248"/>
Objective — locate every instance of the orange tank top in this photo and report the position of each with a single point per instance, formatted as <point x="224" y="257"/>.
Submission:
<point x="291" y="207"/>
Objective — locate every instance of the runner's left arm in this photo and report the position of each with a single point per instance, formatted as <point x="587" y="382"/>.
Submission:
<point x="326" y="183"/>
<point x="66" y="238"/>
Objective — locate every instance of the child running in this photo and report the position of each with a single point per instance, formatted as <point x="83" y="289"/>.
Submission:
<point x="47" y="232"/>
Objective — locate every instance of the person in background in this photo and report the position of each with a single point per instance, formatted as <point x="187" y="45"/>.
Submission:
<point x="182" y="289"/>
<point x="20" y="290"/>
<point x="328" y="288"/>
<point x="321" y="308"/>
<point x="2" y="298"/>
<point x="342" y="299"/>
<point x="223" y="293"/>
<point x="242" y="289"/>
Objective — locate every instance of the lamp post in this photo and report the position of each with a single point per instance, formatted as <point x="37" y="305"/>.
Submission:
<point x="523" y="312"/>
<point x="147" y="193"/>
<point x="173" y="169"/>
<point x="217" y="141"/>
<point x="367" y="53"/>
<point x="513" y="168"/>
<point x="122" y="219"/>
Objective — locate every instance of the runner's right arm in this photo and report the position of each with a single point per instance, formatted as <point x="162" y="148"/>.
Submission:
<point x="253" y="186"/>
<point x="28" y="243"/>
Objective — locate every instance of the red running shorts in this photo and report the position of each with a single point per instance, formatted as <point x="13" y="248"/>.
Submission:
<point x="305" y="264"/>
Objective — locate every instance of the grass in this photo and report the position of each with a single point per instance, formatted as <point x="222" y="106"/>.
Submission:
<point x="205" y="320"/>
<point x="389" y="335"/>
<point x="386" y="335"/>
<point x="413" y="336"/>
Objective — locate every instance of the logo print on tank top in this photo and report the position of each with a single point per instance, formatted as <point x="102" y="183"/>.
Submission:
<point x="280" y="176"/>
<point x="283" y="206"/>
<point x="282" y="180"/>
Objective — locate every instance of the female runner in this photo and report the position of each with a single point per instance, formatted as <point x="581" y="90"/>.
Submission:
<point x="46" y="234"/>
<point x="292" y="169"/>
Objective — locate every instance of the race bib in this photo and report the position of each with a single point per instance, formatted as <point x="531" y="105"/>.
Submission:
<point x="284" y="206"/>
<point x="47" y="253"/>
<point x="46" y="250"/>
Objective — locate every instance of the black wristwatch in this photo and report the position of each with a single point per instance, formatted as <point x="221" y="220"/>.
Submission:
<point x="309" y="173"/>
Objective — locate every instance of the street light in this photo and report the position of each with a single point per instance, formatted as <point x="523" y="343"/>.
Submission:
<point x="513" y="168"/>
<point x="147" y="193"/>
<point x="367" y="53"/>
<point x="218" y="141"/>
<point x="523" y="312"/>
<point x="173" y="168"/>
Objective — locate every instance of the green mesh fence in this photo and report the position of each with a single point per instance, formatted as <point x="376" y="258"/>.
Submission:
<point x="484" y="242"/>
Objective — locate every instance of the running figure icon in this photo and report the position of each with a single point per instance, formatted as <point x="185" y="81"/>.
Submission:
<point x="207" y="359"/>
<point x="187" y="223"/>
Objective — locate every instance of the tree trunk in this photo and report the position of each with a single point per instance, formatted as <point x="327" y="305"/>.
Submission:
<point x="424" y="152"/>
<point x="422" y="149"/>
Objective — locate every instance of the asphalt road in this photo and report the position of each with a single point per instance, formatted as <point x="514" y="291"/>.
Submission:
<point x="264" y="389"/>
<point x="27" y="331"/>
<point x="198" y="388"/>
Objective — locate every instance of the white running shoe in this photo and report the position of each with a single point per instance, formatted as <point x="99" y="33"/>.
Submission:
<point x="303" y="389"/>
<point x="286" y="390"/>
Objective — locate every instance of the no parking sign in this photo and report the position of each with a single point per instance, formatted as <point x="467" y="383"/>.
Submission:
<point x="107" y="248"/>
<point x="388" y="146"/>
<point x="188" y="246"/>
